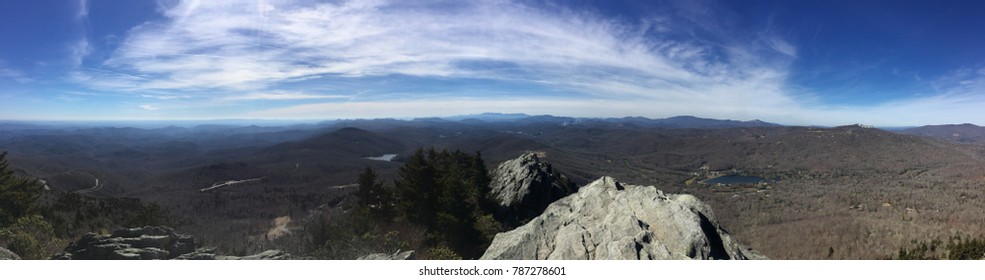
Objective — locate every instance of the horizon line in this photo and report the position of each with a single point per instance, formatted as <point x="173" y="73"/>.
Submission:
<point x="301" y="121"/>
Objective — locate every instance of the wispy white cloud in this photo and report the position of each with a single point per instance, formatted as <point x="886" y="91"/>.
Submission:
<point x="149" y="107"/>
<point x="165" y="96"/>
<point x="15" y="75"/>
<point x="782" y="46"/>
<point x="82" y="12"/>
<point x="81" y="48"/>
<point x="232" y="51"/>
<point x="956" y="97"/>
<point x="7" y="72"/>
<point x="282" y="95"/>
<point x="238" y="47"/>
<point x="960" y="81"/>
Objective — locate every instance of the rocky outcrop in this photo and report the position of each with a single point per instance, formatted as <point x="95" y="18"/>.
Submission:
<point x="210" y="254"/>
<point x="525" y="186"/>
<point x="265" y="255"/>
<point x="399" y="255"/>
<point x="146" y="243"/>
<point x="8" y="255"/>
<point x="149" y="243"/>
<point x="610" y="220"/>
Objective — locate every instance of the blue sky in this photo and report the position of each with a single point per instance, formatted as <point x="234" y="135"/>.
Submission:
<point x="794" y="62"/>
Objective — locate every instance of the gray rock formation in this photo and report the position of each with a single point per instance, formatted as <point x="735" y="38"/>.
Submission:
<point x="610" y="220"/>
<point x="525" y="186"/>
<point x="149" y="243"/>
<point x="399" y="255"/>
<point x="209" y="254"/>
<point x="146" y="243"/>
<point x="8" y="255"/>
<point x="265" y="255"/>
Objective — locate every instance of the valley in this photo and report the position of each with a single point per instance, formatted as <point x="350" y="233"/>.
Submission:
<point x="848" y="192"/>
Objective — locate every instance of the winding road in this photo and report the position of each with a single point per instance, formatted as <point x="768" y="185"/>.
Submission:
<point x="229" y="183"/>
<point x="95" y="187"/>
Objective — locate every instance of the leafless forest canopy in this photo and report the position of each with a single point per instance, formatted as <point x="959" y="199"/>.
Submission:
<point x="848" y="192"/>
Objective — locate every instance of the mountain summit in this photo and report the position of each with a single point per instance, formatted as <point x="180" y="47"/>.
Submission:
<point x="525" y="186"/>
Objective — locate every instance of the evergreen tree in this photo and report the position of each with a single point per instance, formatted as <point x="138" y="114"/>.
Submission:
<point x="17" y="195"/>
<point x="414" y="188"/>
<point x="373" y="198"/>
<point x="481" y="179"/>
<point x="447" y="192"/>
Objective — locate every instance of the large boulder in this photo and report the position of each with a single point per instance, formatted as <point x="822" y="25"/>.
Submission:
<point x="610" y="220"/>
<point x="8" y="255"/>
<point x="525" y="186"/>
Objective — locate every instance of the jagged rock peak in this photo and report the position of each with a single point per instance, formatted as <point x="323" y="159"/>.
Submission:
<point x="148" y="243"/>
<point x="610" y="220"/>
<point x="8" y="255"/>
<point x="524" y="186"/>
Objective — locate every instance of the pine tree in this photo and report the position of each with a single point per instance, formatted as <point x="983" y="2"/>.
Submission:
<point x="414" y="187"/>
<point x="17" y="195"/>
<point x="373" y="198"/>
<point x="447" y="192"/>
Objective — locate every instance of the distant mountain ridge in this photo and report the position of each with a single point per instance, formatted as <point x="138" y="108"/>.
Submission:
<point x="488" y="117"/>
<point x="349" y="140"/>
<point x="965" y="133"/>
<point x="671" y="122"/>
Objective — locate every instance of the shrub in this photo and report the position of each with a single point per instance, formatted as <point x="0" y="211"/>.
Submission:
<point x="442" y="253"/>
<point x="31" y="237"/>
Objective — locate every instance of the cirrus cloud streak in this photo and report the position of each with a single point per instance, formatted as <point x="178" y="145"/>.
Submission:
<point x="231" y="51"/>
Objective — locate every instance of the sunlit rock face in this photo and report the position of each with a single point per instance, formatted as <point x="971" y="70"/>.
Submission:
<point x="610" y="220"/>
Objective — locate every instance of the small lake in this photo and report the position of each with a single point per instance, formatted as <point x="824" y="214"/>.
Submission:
<point x="385" y="157"/>
<point x="735" y="179"/>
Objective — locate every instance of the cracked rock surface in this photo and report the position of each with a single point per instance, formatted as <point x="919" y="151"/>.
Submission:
<point x="610" y="220"/>
<point x="525" y="186"/>
<point x="150" y="243"/>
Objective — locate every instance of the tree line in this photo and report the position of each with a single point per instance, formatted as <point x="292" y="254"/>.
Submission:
<point x="35" y="223"/>
<point x="442" y="195"/>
